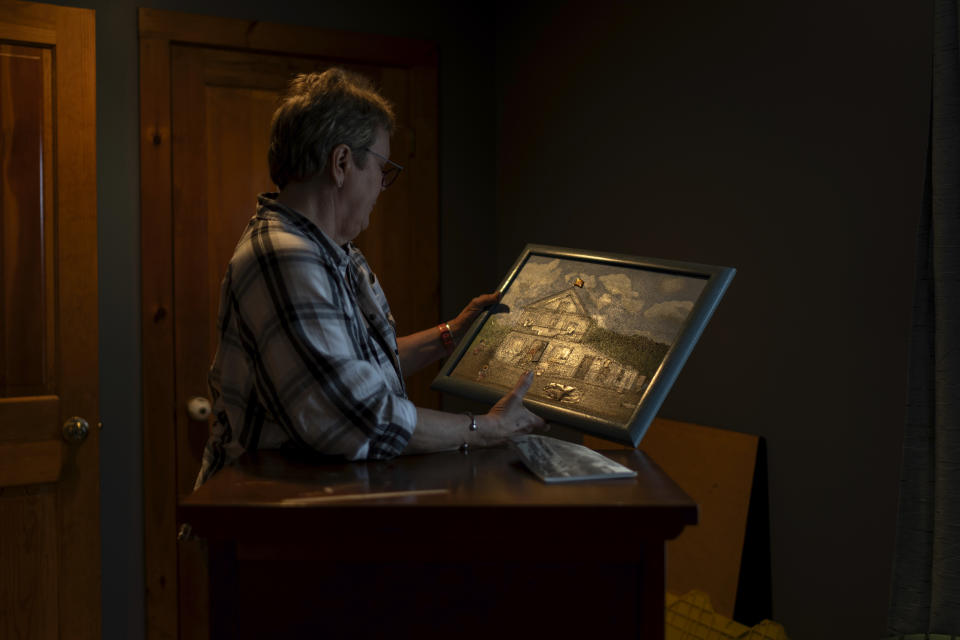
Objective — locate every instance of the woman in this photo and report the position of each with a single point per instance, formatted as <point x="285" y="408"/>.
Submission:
<point x="308" y="356"/>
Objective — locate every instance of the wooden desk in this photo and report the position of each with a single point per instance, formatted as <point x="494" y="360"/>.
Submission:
<point x="447" y="544"/>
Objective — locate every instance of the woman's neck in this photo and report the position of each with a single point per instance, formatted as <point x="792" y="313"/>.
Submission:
<point x="317" y="203"/>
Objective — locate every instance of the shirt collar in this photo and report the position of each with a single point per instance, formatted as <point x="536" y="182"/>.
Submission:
<point x="340" y="256"/>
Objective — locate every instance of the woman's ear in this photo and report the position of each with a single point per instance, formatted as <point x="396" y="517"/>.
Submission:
<point x="339" y="164"/>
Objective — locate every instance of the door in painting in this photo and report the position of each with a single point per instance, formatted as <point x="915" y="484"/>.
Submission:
<point x="536" y="350"/>
<point x="49" y="464"/>
<point x="222" y="102"/>
<point x="583" y="368"/>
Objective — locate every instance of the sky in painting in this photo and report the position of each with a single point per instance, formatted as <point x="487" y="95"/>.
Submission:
<point x="623" y="299"/>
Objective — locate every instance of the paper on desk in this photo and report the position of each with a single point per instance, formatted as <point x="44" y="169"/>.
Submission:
<point x="554" y="460"/>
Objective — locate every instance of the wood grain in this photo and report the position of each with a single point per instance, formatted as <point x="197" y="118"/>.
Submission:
<point x="23" y="283"/>
<point x="23" y="419"/>
<point x="489" y="490"/>
<point x="50" y="556"/>
<point x="424" y="197"/>
<point x="79" y="490"/>
<point x="194" y="594"/>
<point x="254" y="35"/>
<point x="29" y="583"/>
<point x="156" y="247"/>
<point x="264" y="526"/>
<point x="25" y="463"/>
<point x="192" y="242"/>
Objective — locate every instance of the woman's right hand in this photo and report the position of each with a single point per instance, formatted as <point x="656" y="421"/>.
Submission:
<point x="509" y="417"/>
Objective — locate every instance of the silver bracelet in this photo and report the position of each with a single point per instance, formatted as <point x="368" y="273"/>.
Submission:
<point x="473" y="427"/>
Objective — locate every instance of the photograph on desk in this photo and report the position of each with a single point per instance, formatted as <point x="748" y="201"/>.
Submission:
<point x="606" y="335"/>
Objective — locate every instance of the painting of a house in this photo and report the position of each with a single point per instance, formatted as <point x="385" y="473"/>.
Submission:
<point x="549" y="339"/>
<point x="593" y="334"/>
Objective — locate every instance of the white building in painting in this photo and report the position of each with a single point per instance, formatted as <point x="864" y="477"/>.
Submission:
<point x="548" y="337"/>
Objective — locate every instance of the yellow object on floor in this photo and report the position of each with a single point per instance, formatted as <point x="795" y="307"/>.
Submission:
<point x="691" y="617"/>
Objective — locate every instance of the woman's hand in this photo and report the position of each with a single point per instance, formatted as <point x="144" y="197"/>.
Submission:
<point x="460" y="324"/>
<point x="440" y="431"/>
<point x="417" y="350"/>
<point x="509" y="417"/>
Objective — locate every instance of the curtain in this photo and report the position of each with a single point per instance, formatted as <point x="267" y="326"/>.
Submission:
<point x="925" y="586"/>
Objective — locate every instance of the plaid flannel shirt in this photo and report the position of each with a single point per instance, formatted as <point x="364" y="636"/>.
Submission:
<point x="308" y="352"/>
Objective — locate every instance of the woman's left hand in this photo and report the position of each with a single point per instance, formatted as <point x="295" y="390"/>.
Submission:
<point x="460" y="324"/>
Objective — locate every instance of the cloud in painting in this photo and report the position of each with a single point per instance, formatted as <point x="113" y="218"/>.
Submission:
<point x="675" y="310"/>
<point x="621" y="294"/>
<point x="628" y="301"/>
<point x="629" y="305"/>
<point x="540" y="279"/>
<point x="618" y="284"/>
<point x="672" y="285"/>
<point x="664" y="320"/>
<point x="537" y="271"/>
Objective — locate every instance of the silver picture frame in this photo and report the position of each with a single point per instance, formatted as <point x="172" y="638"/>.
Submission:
<point x="607" y="335"/>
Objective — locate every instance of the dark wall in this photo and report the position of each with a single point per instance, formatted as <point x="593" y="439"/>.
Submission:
<point x="784" y="140"/>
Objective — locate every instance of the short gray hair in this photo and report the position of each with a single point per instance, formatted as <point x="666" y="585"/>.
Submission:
<point x="318" y="112"/>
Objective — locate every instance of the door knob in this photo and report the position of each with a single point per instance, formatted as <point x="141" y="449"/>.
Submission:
<point x="75" y="429"/>
<point x="198" y="408"/>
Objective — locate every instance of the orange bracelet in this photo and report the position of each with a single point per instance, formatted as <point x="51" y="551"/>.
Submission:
<point x="446" y="335"/>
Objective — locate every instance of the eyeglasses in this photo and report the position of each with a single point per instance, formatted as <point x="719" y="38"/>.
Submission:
<point x="390" y="172"/>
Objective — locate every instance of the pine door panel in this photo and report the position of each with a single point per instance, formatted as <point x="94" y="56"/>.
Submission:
<point x="26" y="224"/>
<point x="28" y="555"/>
<point x="49" y="487"/>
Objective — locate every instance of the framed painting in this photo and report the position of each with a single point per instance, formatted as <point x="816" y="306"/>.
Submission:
<point x="606" y="335"/>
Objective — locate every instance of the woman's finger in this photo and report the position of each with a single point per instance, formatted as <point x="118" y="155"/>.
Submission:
<point x="480" y="303"/>
<point x="523" y="385"/>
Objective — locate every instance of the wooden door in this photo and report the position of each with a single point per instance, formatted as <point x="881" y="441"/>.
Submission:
<point x="49" y="481"/>
<point x="208" y="89"/>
